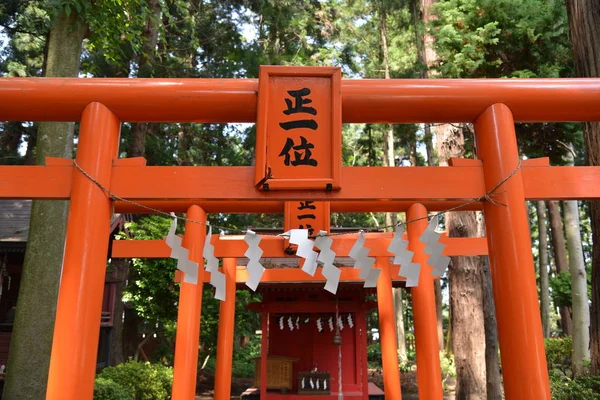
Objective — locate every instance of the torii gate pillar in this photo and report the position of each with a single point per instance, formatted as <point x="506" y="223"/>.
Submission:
<point x="511" y="261"/>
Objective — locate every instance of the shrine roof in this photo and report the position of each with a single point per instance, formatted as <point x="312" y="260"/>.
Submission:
<point x="14" y="220"/>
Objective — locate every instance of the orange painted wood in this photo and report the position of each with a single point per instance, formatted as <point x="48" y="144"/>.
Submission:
<point x="188" y="313"/>
<point x="273" y="247"/>
<point x="277" y="207"/>
<point x="358" y="183"/>
<point x="77" y="328"/>
<point x="524" y="368"/>
<point x="366" y="189"/>
<point x="235" y="100"/>
<point x="225" y="335"/>
<point x="309" y="96"/>
<point x="36" y="182"/>
<point x="424" y="311"/>
<point x="387" y="330"/>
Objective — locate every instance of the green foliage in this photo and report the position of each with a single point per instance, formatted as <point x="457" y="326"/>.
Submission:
<point x="561" y="289"/>
<point x="558" y="354"/>
<point x="106" y="389"/>
<point x="374" y="355"/>
<point x="502" y="38"/>
<point x="447" y="364"/>
<point x="565" y="388"/>
<point x="144" y="381"/>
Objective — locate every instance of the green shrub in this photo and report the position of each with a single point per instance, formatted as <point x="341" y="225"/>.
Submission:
<point x="565" y="388"/>
<point x="558" y="354"/>
<point x="144" y="381"/>
<point x="447" y="364"/>
<point x="243" y="368"/>
<point x="106" y="389"/>
<point x="374" y="355"/>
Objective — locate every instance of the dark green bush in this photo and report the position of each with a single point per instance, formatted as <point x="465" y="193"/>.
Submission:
<point x="144" y="381"/>
<point x="565" y="388"/>
<point x="374" y="355"/>
<point x="558" y="354"/>
<point x="106" y="389"/>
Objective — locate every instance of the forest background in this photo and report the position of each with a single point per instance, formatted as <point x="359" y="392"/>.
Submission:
<point x="385" y="39"/>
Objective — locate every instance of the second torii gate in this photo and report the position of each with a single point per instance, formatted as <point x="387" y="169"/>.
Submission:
<point x="230" y="248"/>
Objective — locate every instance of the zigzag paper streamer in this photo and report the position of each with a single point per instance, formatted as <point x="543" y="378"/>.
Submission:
<point x="434" y="248"/>
<point x="327" y="256"/>
<point x="305" y="249"/>
<point x="403" y="257"/>
<point x="290" y="324"/>
<point x="297" y="323"/>
<point x="217" y="278"/>
<point x="340" y="322"/>
<point x="350" y="322"/>
<point x="281" y="323"/>
<point x="254" y="253"/>
<point x="331" y="323"/>
<point x="181" y="254"/>
<point x="363" y="262"/>
<point x="319" y="325"/>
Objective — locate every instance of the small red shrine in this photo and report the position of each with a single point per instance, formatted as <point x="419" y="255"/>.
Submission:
<point x="320" y="335"/>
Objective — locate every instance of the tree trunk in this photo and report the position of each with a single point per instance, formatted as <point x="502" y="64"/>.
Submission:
<point x="579" y="296"/>
<point x="126" y="332"/>
<point x="466" y="299"/>
<point x="585" y="38"/>
<point x="580" y="304"/>
<point x="146" y="68"/>
<point x="466" y="290"/>
<point x="543" y="263"/>
<point x="29" y="357"/>
<point x="560" y="258"/>
<point x="120" y="266"/>
<point x="492" y="363"/>
<point x="400" y="332"/>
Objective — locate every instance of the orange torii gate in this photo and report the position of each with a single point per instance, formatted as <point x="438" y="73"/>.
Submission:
<point x="101" y="105"/>
<point x="229" y="248"/>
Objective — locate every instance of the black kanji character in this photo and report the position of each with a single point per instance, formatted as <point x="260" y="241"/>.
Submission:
<point x="307" y="204"/>
<point x="311" y="230"/>
<point x="303" y="154"/>
<point x="298" y="105"/>
<point x="311" y="216"/>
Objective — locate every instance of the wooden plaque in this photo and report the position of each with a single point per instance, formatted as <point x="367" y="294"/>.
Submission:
<point x="299" y="128"/>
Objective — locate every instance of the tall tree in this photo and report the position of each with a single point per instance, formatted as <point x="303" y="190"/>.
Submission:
<point x="543" y="267"/>
<point x="466" y="290"/>
<point x="585" y="38"/>
<point x="34" y="321"/>
<point x="579" y="295"/>
<point x="557" y="236"/>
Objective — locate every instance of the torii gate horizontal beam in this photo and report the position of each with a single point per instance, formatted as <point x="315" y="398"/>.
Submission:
<point x="235" y="100"/>
<point x="234" y="191"/>
<point x="273" y="247"/>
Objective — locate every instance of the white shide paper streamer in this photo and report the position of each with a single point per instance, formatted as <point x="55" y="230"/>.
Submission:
<point x="305" y="250"/>
<point x="182" y="255"/>
<point x="403" y="257"/>
<point x="254" y="253"/>
<point x="217" y="278"/>
<point x="434" y="248"/>
<point x="363" y="262"/>
<point x="327" y="256"/>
